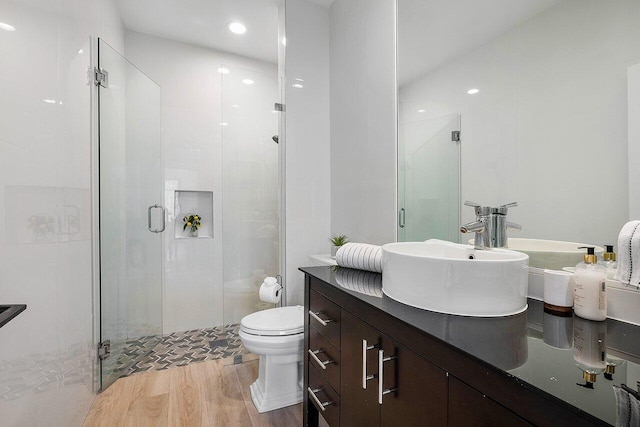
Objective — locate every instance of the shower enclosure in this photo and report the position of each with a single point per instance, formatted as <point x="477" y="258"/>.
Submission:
<point x="241" y="213"/>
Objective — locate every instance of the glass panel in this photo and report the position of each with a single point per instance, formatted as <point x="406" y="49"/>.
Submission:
<point x="130" y="182"/>
<point x="250" y="214"/>
<point x="429" y="179"/>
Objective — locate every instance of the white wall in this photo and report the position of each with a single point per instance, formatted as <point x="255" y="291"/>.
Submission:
<point x="307" y="140"/>
<point x="633" y="102"/>
<point x="193" y="158"/>
<point x="549" y="126"/>
<point x="363" y="120"/>
<point x="46" y="354"/>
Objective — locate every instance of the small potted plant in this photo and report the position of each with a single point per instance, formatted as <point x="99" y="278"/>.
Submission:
<point x="192" y="222"/>
<point x="337" y="241"/>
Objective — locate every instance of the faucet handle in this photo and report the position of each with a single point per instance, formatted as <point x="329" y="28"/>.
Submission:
<point x="480" y="210"/>
<point x="509" y="205"/>
<point x="513" y="226"/>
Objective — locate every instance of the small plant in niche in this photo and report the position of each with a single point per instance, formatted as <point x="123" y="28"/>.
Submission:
<point x="337" y="241"/>
<point x="192" y="222"/>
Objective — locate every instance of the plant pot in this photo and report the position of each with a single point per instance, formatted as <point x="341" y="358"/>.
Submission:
<point x="334" y="250"/>
<point x="193" y="232"/>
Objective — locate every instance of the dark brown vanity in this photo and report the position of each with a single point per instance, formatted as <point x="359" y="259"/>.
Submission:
<point x="370" y="360"/>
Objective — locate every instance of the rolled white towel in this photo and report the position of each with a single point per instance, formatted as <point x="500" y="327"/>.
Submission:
<point x="360" y="256"/>
<point x="364" y="282"/>
<point x="627" y="407"/>
<point x="629" y="254"/>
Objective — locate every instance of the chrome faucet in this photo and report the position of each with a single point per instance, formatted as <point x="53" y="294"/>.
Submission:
<point x="490" y="226"/>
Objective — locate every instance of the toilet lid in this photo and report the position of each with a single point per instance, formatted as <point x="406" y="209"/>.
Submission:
<point x="275" y="321"/>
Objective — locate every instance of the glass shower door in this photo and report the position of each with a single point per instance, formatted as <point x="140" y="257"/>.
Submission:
<point x="131" y="220"/>
<point x="429" y="180"/>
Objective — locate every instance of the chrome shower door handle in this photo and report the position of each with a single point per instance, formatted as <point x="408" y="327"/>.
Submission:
<point x="402" y="218"/>
<point x="155" y="230"/>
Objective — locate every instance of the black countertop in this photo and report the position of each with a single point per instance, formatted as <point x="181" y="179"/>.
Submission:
<point x="9" y="311"/>
<point x="541" y="351"/>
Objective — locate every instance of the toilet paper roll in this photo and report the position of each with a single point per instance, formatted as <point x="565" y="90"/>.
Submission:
<point x="270" y="293"/>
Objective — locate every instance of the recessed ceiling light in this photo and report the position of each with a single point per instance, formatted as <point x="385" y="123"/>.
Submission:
<point x="299" y="80"/>
<point x="473" y="91"/>
<point x="224" y="124"/>
<point x="297" y="85"/>
<point x="223" y="70"/>
<point x="247" y="81"/>
<point x="80" y="52"/>
<point x="237" y="28"/>
<point x="49" y="101"/>
<point x="7" y="27"/>
<point x="421" y="110"/>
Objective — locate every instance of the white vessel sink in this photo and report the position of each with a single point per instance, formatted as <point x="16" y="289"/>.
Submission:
<point x="552" y="254"/>
<point x="454" y="278"/>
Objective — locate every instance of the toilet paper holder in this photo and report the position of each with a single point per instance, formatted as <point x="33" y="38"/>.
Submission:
<point x="280" y="288"/>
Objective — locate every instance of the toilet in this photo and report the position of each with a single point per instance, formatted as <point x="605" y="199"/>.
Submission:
<point x="277" y="335"/>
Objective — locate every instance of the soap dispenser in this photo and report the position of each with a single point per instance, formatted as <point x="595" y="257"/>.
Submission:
<point x="590" y="292"/>
<point x="609" y="262"/>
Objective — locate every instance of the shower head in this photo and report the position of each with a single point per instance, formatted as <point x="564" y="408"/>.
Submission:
<point x="275" y="138"/>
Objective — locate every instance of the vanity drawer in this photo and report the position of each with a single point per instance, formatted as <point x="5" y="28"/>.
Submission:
<point x="323" y="397"/>
<point x="325" y="352"/>
<point x="324" y="315"/>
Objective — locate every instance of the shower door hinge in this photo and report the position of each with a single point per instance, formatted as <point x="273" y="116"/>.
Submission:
<point x="278" y="107"/>
<point x="100" y="77"/>
<point x="104" y="349"/>
<point x="455" y="135"/>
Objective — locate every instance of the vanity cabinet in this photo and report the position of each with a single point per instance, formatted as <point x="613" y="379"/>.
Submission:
<point x="400" y="385"/>
<point x="425" y="378"/>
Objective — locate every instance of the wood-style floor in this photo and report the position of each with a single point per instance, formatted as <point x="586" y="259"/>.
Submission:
<point x="212" y="393"/>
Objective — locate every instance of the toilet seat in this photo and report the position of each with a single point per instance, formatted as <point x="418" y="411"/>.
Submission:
<point x="281" y="321"/>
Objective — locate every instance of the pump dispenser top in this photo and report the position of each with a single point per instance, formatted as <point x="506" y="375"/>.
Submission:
<point x="590" y="257"/>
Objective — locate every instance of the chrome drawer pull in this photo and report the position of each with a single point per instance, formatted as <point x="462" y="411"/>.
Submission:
<point x="381" y="390"/>
<point x="322" y="364"/>
<point x="317" y="317"/>
<point x="365" y="377"/>
<point x="323" y="406"/>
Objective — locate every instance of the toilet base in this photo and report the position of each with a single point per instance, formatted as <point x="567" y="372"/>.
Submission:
<point x="278" y="383"/>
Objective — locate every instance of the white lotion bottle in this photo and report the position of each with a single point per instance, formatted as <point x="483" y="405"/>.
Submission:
<point x="590" y="292"/>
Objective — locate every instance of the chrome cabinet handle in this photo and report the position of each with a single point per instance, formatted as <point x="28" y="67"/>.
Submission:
<point x="317" y="317"/>
<point x="381" y="390"/>
<point x="365" y="377"/>
<point x="401" y="218"/>
<point x="322" y="405"/>
<point x="155" y="230"/>
<point x="323" y="364"/>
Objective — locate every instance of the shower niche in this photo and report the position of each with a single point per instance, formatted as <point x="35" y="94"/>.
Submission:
<point x="193" y="202"/>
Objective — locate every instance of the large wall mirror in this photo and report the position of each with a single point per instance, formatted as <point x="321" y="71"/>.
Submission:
<point x="542" y="93"/>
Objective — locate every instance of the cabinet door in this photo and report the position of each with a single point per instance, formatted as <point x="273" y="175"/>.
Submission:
<point x="419" y="395"/>
<point x="469" y="408"/>
<point x="359" y="405"/>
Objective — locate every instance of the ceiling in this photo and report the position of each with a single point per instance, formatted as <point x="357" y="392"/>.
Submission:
<point x="204" y="23"/>
<point x="432" y="32"/>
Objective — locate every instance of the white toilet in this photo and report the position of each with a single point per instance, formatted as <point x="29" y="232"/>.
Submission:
<point x="277" y="335"/>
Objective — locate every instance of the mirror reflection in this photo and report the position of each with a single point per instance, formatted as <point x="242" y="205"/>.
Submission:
<point x="543" y="95"/>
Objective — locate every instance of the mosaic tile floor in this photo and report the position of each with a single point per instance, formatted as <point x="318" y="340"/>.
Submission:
<point x="181" y="348"/>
